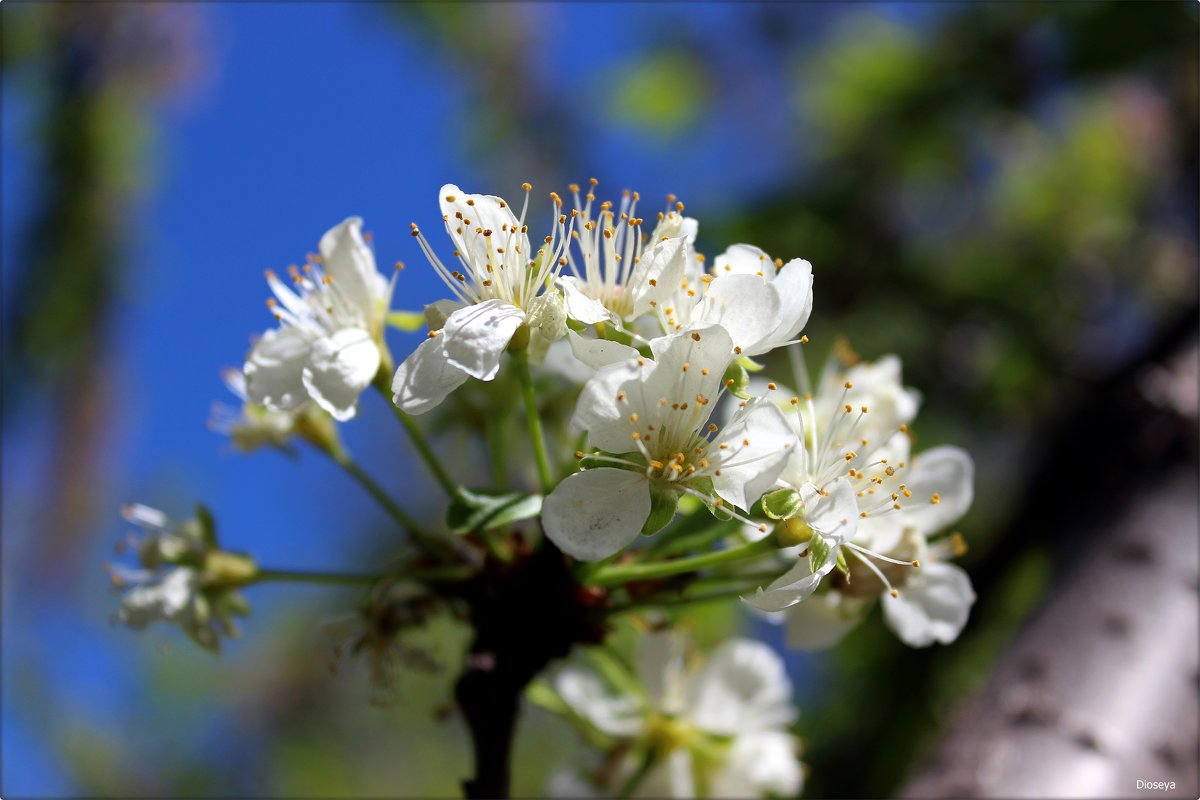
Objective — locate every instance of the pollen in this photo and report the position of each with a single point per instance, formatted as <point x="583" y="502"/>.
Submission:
<point x="633" y="417"/>
<point x="849" y="385"/>
<point x="772" y="387"/>
<point x="450" y="198"/>
<point x="936" y="498"/>
<point x="803" y="340"/>
<point x="695" y="337"/>
<point x="704" y="370"/>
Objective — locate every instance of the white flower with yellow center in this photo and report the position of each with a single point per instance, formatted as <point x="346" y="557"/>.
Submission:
<point x="711" y="729"/>
<point x="618" y="276"/>
<point x="855" y="463"/>
<point x="171" y="582"/>
<point x="654" y="415"/>
<point x="922" y="605"/>
<point x="763" y="303"/>
<point x="500" y="284"/>
<point x="327" y="347"/>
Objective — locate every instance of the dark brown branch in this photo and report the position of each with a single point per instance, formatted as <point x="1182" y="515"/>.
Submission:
<point x="524" y="617"/>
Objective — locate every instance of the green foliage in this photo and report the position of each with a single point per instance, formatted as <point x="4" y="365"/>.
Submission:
<point x="486" y="509"/>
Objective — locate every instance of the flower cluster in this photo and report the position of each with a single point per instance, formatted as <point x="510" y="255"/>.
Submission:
<point x="181" y="577"/>
<point x="692" y="467"/>
<point x="677" y="727"/>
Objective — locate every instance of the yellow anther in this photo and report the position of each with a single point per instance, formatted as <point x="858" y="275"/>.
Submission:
<point x="935" y="498"/>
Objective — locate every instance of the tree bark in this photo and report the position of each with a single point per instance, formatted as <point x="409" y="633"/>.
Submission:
<point x="1100" y="691"/>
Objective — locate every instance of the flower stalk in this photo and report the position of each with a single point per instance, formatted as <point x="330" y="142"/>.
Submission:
<point x="625" y="573"/>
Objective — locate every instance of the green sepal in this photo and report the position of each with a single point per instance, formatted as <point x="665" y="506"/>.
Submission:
<point x="407" y="321"/>
<point x="662" y="510"/>
<point x="818" y="552"/>
<point x="841" y="564"/>
<point x="208" y="526"/>
<point x="781" y="503"/>
<point x="740" y="386"/>
<point x="484" y="509"/>
<point x="749" y="364"/>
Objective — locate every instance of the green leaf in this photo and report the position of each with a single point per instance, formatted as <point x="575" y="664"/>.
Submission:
<point x="485" y="509"/>
<point x="781" y="503"/>
<point x="407" y="321"/>
<point x="818" y="552"/>
<point x="662" y="510"/>
<point x="208" y="526"/>
<point x="740" y="387"/>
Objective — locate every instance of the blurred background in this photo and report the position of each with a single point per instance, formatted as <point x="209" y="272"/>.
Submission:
<point x="1005" y="195"/>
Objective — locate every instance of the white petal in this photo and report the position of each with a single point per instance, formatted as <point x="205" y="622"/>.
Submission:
<point x="167" y="600"/>
<point x="933" y="605"/>
<point x="600" y="414"/>
<point x="273" y="369"/>
<point x="580" y="307"/>
<point x="744" y="305"/>
<point x="657" y="274"/>
<point x="436" y="313"/>
<point x="834" y="515"/>
<point x="950" y="473"/>
<point x="476" y="336"/>
<point x="548" y="317"/>
<point x="821" y="621"/>
<point x="660" y="665"/>
<point x="794" y="285"/>
<point x="425" y="378"/>
<point x="486" y="212"/>
<point x="595" y="701"/>
<point x="759" y="442"/>
<point x="569" y="784"/>
<point x="597" y="353"/>
<point x="794" y="586"/>
<point x="351" y="264"/>
<point x="596" y="513"/>
<point x="742" y="687"/>
<point x="744" y="259"/>
<point x="340" y="367"/>
<point x="759" y="764"/>
<point x="145" y="516"/>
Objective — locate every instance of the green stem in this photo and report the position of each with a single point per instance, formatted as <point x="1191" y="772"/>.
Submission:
<point x="426" y="452"/>
<point x="676" y="602"/>
<point x="426" y="540"/>
<point x="451" y="487"/>
<point x="496" y="429"/>
<point x="625" y="573"/>
<point x="447" y="574"/>
<point x="630" y="785"/>
<point x="536" y="435"/>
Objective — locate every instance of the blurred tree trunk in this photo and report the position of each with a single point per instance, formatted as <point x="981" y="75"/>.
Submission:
<point x="1100" y="690"/>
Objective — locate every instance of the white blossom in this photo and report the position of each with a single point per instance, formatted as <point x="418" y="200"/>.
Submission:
<point x="174" y="580"/>
<point x="857" y="458"/>
<point x="501" y="283"/>
<point x="618" y="276"/>
<point x="763" y="303"/>
<point x="715" y="729"/>
<point x="250" y="426"/>
<point x="327" y="347"/>
<point x="654" y="414"/>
